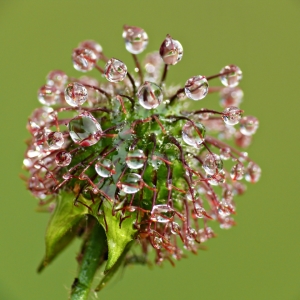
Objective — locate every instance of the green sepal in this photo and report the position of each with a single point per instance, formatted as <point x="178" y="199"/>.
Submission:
<point x="62" y="227"/>
<point x="108" y="274"/>
<point x="118" y="236"/>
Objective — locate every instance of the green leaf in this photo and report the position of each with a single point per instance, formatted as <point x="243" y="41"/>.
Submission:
<point x="62" y="227"/>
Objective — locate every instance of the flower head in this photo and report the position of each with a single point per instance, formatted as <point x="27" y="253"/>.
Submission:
<point x="128" y="150"/>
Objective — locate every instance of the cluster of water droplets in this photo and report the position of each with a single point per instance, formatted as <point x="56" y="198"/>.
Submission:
<point x="123" y="140"/>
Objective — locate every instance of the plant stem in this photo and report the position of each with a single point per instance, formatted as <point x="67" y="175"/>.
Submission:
<point x="93" y="252"/>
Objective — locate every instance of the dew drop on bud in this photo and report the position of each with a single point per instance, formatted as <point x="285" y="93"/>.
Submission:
<point x="84" y="59"/>
<point x="130" y="183"/>
<point x="85" y="130"/>
<point x="212" y="164"/>
<point x="231" y="115"/>
<point x="48" y="95"/>
<point x="115" y="70"/>
<point x="162" y="213"/>
<point x="105" y="168"/>
<point x="199" y="211"/>
<point x="193" y="134"/>
<point x="237" y="172"/>
<point x="157" y="242"/>
<point x="231" y="96"/>
<point x="175" y="228"/>
<point x="57" y="78"/>
<point x="63" y="158"/>
<point x="196" y="87"/>
<point x="248" y="125"/>
<point x="136" y="39"/>
<point x="75" y="94"/>
<point x="242" y="140"/>
<point x="150" y="95"/>
<point x="55" y="140"/>
<point x="93" y="46"/>
<point x="191" y="234"/>
<point x="171" y="51"/>
<point x="217" y="178"/>
<point x="135" y="159"/>
<point x="233" y="76"/>
<point x="253" y="172"/>
<point x="225" y="153"/>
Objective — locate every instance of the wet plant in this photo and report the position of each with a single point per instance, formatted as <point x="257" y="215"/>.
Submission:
<point x="121" y="161"/>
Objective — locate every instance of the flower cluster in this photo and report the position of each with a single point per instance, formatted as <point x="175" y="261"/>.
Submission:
<point x="130" y="143"/>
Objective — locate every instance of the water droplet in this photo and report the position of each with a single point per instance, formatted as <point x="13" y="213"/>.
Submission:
<point x="248" y="125"/>
<point x="171" y="51"/>
<point x="193" y="134"/>
<point x="67" y="176"/>
<point x="225" y="153"/>
<point x="212" y="164"/>
<point x="253" y="172"/>
<point x="55" y="140"/>
<point x="37" y="188"/>
<point x="238" y="188"/>
<point x="28" y="163"/>
<point x="48" y="95"/>
<point x="105" y="168"/>
<point x="76" y="94"/>
<point x="242" y="140"/>
<point x="63" y="158"/>
<point x="157" y="242"/>
<point x="136" y="39"/>
<point x="217" y="178"/>
<point x="84" y="130"/>
<point x="231" y="96"/>
<point x="191" y="234"/>
<point x="231" y="115"/>
<point x="237" y="172"/>
<point x="150" y="95"/>
<point x="93" y="46"/>
<point x="57" y="79"/>
<point x="162" y="213"/>
<point x="115" y="70"/>
<point x="135" y="159"/>
<point x="199" y="211"/>
<point x="175" y="228"/>
<point x="196" y="87"/>
<point x="233" y="78"/>
<point x="84" y="59"/>
<point x="153" y="64"/>
<point x="130" y="183"/>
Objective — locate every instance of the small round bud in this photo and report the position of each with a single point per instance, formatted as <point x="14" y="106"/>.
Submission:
<point x="136" y="39"/>
<point x="233" y="76"/>
<point x="171" y="51"/>
<point x="196" y="87"/>
<point x="84" y="59"/>
<point x="115" y="70"/>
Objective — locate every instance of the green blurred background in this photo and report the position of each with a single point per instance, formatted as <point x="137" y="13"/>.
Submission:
<point x="258" y="259"/>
